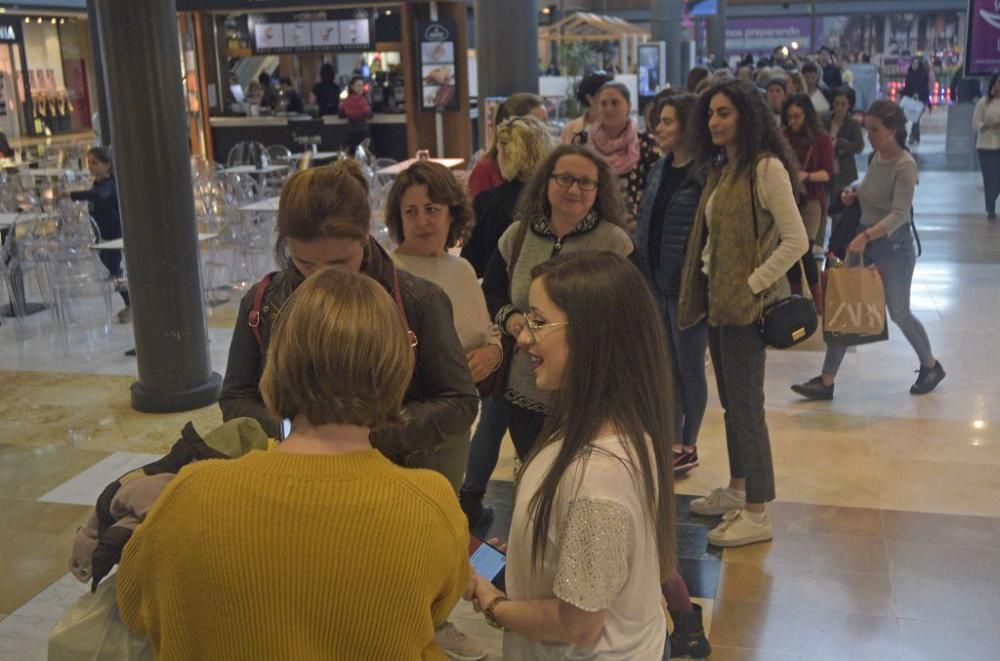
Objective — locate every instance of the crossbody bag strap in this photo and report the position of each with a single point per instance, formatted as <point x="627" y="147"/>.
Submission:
<point x="806" y="289"/>
<point x="414" y="340"/>
<point x="253" y="318"/>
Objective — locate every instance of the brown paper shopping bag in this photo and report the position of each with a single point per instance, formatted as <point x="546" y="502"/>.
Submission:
<point x="854" y="309"/>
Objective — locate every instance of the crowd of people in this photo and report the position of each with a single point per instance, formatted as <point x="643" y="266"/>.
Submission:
<point x="594" y="275"/>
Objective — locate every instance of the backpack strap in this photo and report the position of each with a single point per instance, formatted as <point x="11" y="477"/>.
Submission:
<point x="258" y="302"/>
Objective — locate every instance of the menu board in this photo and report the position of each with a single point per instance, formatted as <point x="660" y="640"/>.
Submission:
<point x="437" y="65"/>
<point x="308" y="32"/>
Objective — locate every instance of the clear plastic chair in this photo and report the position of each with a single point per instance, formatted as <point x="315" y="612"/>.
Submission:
<point x="74" y="272"/>
<point x="248" y="152"/>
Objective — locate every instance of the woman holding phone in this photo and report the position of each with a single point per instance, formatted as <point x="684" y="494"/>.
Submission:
<point x="592" y="532"/>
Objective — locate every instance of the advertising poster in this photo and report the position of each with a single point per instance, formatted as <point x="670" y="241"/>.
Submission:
<point x="983" y="43"/>
<point x="310" y="32"/>
<point x="297" y="35"/>
<point x="325" y="33"/>
<point x="437" y="65"/>
<point x="268" y="36"/>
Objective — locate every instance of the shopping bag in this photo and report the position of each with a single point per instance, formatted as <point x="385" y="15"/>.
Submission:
<point x="92" y="630"/>
<point x="854" y="307"/>
<point x="912" y="108"/>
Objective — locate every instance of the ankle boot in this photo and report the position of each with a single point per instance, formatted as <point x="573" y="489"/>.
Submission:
<point x="480" y="516"/>
<point x="688" y="639"/>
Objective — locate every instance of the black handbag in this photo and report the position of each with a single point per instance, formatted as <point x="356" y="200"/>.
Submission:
<point x="793" y="319"/>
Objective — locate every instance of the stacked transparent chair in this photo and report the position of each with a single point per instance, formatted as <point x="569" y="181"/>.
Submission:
<point x="73" y="271"/>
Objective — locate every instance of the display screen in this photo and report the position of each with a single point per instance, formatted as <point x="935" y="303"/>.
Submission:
<point x="308" y="32"/>
<point x="488" y="562"/>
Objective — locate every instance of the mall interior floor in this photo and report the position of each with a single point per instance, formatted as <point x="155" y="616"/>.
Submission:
<point x="887" y="524"/>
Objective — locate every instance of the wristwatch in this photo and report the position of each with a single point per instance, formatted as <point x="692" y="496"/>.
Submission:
<point x="488" y="612"/>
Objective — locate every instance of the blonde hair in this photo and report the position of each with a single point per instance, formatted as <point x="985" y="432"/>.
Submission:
<point x="329" y="202"/>
<point x="339" y="353"/>
<point x="526" y="143"/>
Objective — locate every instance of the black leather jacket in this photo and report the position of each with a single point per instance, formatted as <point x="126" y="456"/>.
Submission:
<point x="441" y="399"/>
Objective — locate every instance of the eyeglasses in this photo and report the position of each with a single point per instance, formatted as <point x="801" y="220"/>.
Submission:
<point x="533" y="327"/>
<point x="567" y="180"/>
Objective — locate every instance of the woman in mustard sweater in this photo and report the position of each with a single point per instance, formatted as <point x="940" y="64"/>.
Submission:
<point x="321" y="548"/>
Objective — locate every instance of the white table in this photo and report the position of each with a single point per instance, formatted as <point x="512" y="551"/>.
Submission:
<point x="394" y="170"/>
<point x="253" y="169"/>
<point x="267" y="204"/>
<point x="119" y="244"/>
<point x="316" y="156"/>
<point x="8" y="218"/>
<point x="54" y="173"/>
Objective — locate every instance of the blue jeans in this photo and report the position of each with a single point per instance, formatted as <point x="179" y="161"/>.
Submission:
<point x="895" y="257"/>
<point x="484" y="450"/>
<point x="687" y="355"/>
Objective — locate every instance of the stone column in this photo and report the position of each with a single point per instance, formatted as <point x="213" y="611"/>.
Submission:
<point x="141" y="60"/>
<point x="100" y="89"/>
<point x="506" y="49"/>
<point x="666" y="27"/>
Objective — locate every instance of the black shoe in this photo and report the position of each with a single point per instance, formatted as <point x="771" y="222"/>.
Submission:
<point x="480" y="516"/>
<point x="927" y="379"/>
<point x="814" y="389"/>
<point x="991" y="217"/>
<point x="688" y="640"/>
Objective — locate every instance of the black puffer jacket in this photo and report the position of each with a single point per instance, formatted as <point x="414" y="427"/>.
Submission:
<point x="441" y="400"/>
<point x="494" y="210"/>
<point x="677" y="222"/>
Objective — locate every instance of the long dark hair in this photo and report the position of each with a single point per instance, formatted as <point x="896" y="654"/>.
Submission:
<point x="993" y="81"/>
<point x="617" y="373"/>
<point x="811" y="124"/>
<point x="534" y="200"/>
<point x="758" y="134"/>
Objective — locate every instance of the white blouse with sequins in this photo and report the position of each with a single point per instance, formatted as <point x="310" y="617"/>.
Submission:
<point x="601" y="554"/>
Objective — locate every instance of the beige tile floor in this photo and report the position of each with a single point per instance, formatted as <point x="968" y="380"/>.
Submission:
<point x="888" y="515"/>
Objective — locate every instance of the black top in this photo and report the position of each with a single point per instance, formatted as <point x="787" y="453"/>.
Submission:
<point x="832" y="76"/>
<point x="494" y="211"/>
<point x="294" y="102"/>
<point x="670" y="183"/>
<point x="103" y="200"/>
<point x="327" y="97"/>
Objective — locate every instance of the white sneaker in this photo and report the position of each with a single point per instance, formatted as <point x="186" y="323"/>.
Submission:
<point x="456" y="645"/>
<point x="718" y="502"/>
<point x="737" y="529"/>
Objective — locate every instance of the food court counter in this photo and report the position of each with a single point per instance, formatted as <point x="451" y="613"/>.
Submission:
<point x="388" y="132"/>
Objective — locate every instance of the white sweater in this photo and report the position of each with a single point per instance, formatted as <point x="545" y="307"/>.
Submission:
<point x="458" y="280"/>
<point x="988" y="138"/>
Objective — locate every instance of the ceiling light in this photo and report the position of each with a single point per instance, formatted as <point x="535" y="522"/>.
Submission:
<point x="53" y="21"/>
<point x="388" y="12"/>
<point x="39" y="19"/>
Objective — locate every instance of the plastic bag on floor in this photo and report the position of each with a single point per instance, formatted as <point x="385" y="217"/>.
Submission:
<point x="92" y="630"/>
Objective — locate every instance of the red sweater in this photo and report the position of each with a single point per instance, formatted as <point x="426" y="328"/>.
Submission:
<point x="355" y="108"/>
<point x="485" y="176"/>
<point x="820" y="158"/>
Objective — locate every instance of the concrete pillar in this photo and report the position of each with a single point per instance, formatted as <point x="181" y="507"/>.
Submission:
<point x="100" y="89"/>
<point x="506" y="50"/>
<point x="717" y="32"/>
<point x="141" y="60"/>
<point x="666" y="27"/>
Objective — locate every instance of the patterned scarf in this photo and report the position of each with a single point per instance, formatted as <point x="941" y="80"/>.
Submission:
<point x="621" y="153"/>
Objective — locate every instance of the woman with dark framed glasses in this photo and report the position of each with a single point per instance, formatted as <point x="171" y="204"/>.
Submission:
<point x="572" y="204"/>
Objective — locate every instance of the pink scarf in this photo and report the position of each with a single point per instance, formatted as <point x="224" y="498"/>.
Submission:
<point x="621" y="153"/>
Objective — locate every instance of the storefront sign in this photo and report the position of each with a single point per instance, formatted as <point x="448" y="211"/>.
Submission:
<point x="10" y="31"/>
<point x="763" y="35"/>
<point x="310" y="32"/>
<point x="983" y="42"/>
<point x="436" y="43"/>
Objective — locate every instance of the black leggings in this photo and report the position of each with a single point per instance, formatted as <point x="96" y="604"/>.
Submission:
<point x="112" y="260"/>
<point x="525" y="426"/>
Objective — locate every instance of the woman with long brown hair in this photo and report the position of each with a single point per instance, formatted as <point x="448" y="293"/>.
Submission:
<point x="592" y="532"/>
<point x="885" y="239"/>
<point x="747" y="233"/>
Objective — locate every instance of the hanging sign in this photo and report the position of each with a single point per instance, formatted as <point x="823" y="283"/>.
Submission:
<point x="436" y="44"/>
